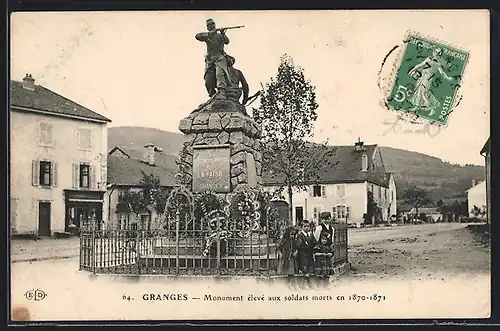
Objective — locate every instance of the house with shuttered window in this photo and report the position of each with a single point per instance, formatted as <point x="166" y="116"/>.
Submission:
<point x="343" y="189"/>
<point x="58" y="161"/>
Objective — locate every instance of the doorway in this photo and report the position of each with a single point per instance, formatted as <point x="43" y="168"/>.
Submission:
<point x="299" y="215"/>
<point x="80" y="214"/>
<point x="44" y="228"/>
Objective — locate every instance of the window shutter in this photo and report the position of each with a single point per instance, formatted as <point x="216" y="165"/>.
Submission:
<point x="36" y="173"/>
<point x="348" y="213"/>
<point x="53" y="174"/>
<point x="323" y="191"/>
<point x="48" y="133"/>
<point x="76" y="175"/>
<point x="41" y="133"/>
<point x="93" y="179"/>
<point x="334" y="213"/>
<point x="311" y="190"/>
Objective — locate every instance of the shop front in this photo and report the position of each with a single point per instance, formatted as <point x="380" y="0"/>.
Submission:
<point x="83" y="207"/>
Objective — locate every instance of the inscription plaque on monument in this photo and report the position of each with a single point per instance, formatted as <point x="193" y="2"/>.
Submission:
<point x="211" y="169"/>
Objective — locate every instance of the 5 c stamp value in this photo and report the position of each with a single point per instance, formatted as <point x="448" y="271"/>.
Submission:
<point x="427" y="79"/>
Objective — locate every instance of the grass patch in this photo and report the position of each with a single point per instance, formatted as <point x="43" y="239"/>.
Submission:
<point x="481" y="233"/>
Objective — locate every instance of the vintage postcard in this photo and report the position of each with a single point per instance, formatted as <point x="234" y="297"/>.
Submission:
<point x="249" y="165"/>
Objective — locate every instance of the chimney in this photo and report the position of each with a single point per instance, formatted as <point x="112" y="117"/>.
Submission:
<point x="149" y="154"/>
<point x="473" y="182"/>
<point x="28" y="82"/>
<point x="358" y="146"/>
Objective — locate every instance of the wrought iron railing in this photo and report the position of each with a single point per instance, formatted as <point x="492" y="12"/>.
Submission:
<point x="190" y="250"/>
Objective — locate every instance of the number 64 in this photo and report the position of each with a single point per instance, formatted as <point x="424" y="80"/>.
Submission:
<point x="401" y="93"/>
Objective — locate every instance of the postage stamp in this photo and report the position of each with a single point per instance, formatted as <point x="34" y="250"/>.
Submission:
<point x="427" y="79"/>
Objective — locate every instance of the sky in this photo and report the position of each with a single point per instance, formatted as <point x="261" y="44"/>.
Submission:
<point x="146" y="68"/>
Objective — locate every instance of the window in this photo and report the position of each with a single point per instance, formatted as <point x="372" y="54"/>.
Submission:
<point x="364" y="162"/>
<point x="385" y="193"/>
<point x="342" y="213"/>
<point x="316" y="211"/>
<point x="340" y="190"/>
<point x="84" y="175"/>
<point x="45" y="135"/>
<point x="84" y="139"/>
<point x="316" y="191"/>
<point x="379" y="192"/>
<point x="45" y="173"/>
<point x="392" y="194"/>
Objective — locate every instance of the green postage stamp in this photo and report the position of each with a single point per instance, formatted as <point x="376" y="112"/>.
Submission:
<point x="427" y="79"/>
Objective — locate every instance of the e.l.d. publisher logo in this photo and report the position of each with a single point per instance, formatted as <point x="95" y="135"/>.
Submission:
<point x="35" y="295"/>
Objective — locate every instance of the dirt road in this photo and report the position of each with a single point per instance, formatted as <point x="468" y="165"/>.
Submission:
<point x="428" y="271"/>
<point x="433" y="251"/>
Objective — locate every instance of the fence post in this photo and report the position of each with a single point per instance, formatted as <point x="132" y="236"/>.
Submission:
<point x="346" y="244"/>
<point x="93" y="249"/>
<point x="81" y="240"/>
<point x="177" y="225"/>
<point x="267" y="248"/>
<point x="138" y="246"/>
<point x="218" y="245"/>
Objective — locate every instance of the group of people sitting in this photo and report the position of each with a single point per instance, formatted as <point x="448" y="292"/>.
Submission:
<point x="307" y="250"/>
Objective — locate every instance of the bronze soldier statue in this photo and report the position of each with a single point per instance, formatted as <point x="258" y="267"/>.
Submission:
<point x="235" y="78"/>
<point x="216" y="67"/>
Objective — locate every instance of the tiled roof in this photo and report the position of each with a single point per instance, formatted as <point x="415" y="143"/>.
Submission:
<point x="481" y="183"/>
<point x="486" y="147"/>
<point x="44" y="99"/>
<point x="163" y="160"/>
<point x="127" y="172"/>
<point x="348" y="169"/>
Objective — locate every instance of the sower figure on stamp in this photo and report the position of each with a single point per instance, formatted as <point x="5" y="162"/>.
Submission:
<point x="423" y="72"/>
<point x="216" y="68"/>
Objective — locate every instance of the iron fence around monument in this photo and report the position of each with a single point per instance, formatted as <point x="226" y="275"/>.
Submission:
<point x="171" y="250"/>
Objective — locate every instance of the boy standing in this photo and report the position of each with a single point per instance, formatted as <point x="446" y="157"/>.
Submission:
<point x="305" y="244"/>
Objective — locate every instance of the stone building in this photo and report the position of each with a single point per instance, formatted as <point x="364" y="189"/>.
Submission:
<point x="343" y="189"/>
<point x="58" y="160"/>
<point x="486" y="152"/>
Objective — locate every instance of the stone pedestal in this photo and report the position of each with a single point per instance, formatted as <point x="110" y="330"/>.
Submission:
<point x="224" y="124"/>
